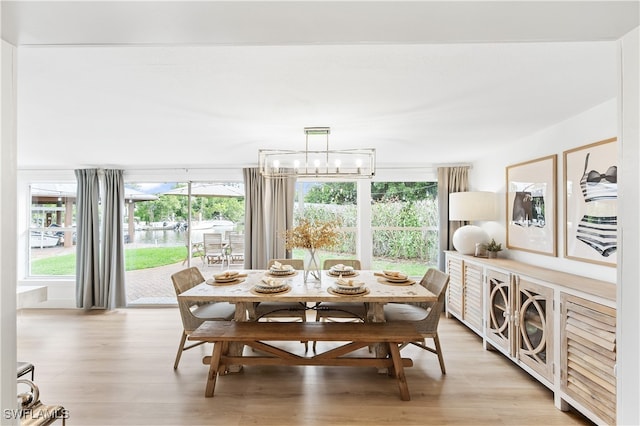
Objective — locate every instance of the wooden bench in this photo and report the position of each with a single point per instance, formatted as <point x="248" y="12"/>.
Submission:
<point x="254" y="334"/>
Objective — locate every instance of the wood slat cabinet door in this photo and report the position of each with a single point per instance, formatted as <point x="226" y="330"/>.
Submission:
<point x="500" y="310"/>
<point x="588" y="355"/>
<point x="472" y="296"/>
<point x="456" y="284"/>
<point x="534" y="324"/>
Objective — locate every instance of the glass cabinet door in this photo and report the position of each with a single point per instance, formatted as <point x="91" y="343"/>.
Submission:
<point x="535" y="327"/>
<point x="499" y="324"/>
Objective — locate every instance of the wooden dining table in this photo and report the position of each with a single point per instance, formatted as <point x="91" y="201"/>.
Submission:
<point x="241" y="292"/>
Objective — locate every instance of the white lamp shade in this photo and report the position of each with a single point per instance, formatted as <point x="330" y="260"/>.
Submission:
<point x="465" y="238"/>
<point x="467" y="206"/>
<point x="479" y="205"/>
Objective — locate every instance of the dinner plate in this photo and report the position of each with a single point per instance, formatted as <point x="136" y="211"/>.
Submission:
<point x="340" y="292"/>
<point x="211" y="281"/>
<point x="395" y="279"/>
<point x="387" y="282"/>
<point x="225" y="280"/>
<point x="282" y="273"/>
<point x="351" y="288"/>
<point x="271" y="290"/>
<point x="337" y="273"/>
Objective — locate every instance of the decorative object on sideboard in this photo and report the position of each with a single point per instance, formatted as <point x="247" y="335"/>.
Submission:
<point x="318" y="161"/>
<point x="471" y="206"/>
<point x="493" y="248"/>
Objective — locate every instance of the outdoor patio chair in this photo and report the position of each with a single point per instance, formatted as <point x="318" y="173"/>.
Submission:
<point x="194" y="314"/>
<point x="236" y="248"/>
<point x="425" y="316"/>
<point x="214" y="248"/>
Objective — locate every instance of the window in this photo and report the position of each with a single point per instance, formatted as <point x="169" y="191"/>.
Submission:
<point x="158" y="227"/>
<point x="52" y="231"/>
<point x="329" y="201"/>
<point x="404" y="223"/>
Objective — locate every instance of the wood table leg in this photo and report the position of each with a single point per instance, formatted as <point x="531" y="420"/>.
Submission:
<point x="235" y="348"/>
<point x="213" y="369"/>
<point x="399" y="372"/>
<point x="375" y="313"/>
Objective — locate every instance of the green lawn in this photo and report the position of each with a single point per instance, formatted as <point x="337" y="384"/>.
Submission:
<point x="152" y="257"/>
<point x="140" y="258"/>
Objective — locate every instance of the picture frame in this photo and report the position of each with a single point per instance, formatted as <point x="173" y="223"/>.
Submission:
<point x="531" y="191"/>
<point x="591" y="202"/>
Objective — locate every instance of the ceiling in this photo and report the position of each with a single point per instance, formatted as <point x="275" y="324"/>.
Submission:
<point x="206" y="84"/>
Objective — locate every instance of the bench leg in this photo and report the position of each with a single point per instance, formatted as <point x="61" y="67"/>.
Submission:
<point x="213" y="369"/>
<point x="399" y="372"/>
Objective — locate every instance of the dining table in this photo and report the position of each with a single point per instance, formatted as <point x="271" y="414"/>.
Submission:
<point x="241" y="291"/>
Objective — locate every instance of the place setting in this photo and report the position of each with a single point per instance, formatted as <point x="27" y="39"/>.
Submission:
<point x="394" y="278"/>
<point x="270" y="285"/>
<point x="280" y="270"/>
<point x="227" y="278"/>
<point x="341" y="270"/>
<point x="348" y="287"/>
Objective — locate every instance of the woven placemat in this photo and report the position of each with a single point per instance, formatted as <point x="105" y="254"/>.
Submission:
<point x="387" y="282"/>
<point x="212" y="281"/>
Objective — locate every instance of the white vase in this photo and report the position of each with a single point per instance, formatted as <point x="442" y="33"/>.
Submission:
<point x="311" y="265"/>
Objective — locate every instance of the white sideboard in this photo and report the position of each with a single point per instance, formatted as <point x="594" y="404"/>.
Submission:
<point x="558" y="327"/>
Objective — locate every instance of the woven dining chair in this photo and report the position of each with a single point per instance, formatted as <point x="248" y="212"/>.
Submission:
<point x="425" y="316"/>
<point x="194" y="314"/>
<point x="270" y="310"/>
<point x="327" y="311"/>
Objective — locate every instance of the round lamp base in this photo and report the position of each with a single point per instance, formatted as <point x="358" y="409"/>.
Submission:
<point x="465" y="238"/>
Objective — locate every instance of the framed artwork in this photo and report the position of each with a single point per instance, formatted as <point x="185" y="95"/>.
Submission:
<point x="591" y="203"/>
<point x="532" y="206"/>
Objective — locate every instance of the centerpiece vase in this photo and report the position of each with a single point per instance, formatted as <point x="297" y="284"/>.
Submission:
<point x="311" y="265"/>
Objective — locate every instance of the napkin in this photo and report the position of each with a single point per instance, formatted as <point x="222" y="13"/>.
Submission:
<point x="341" y="267"/>
<point x="277" y="266"/>
<point x="395" y="274"/>
<point x="226" y="275"/>
<point x="349" y="283"/>
<point x="272" y="282"/>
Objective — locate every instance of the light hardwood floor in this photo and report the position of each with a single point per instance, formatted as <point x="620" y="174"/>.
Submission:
<point x="116" y="368"/>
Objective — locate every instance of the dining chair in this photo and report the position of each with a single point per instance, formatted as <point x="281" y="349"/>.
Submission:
<point x="194" y="314"/>
<point x="214" y="250"/>
<point x="270" y="310"/>
<point x="329" y="310"/>
<point x="425" y="316"/>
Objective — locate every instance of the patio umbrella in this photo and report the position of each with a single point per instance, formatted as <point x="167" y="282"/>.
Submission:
<point x="208" y="190"/>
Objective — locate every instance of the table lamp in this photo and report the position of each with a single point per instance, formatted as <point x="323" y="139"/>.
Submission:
<point x="470" y="206"/>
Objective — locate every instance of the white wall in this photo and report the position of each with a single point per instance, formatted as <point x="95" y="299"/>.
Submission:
<point x="618" y="117"/>
<point x="628" y="265"/>
<point x="8" y="164"/>
<point x="489" y="174"/>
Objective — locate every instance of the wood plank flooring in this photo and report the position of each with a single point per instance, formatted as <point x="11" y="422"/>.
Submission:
<point x="116" y="368"/>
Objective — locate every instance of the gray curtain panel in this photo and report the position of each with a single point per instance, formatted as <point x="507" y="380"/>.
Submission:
<point x="268" y="213"/>
<point x="87" y="239"/>
<point x="112" y="271"/>
<point x="450" y="179"/>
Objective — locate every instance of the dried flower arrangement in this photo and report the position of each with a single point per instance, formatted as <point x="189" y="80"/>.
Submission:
<point x="312" y="234"/>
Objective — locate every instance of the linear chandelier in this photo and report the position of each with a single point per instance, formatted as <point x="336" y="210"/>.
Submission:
<point x="320" y="162"/>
